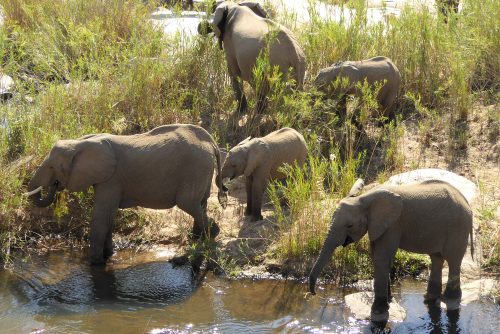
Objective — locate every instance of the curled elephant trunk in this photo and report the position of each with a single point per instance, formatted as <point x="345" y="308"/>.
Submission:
<point x="42" y="202"/>
<point x="329" y="246"/>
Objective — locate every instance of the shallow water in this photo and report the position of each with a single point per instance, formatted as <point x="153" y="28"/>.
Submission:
<point x="141" y="293"/>
<point x="186" y="22"/>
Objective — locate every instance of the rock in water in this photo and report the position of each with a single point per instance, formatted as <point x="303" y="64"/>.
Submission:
<point x="360" y="304"/>
<point x="478" y="289"/>
<point x="6" y="86"/>
<point x="466" y="187"/>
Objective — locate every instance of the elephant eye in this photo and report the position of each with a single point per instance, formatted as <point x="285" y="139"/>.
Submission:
<point x="350" y="225"/>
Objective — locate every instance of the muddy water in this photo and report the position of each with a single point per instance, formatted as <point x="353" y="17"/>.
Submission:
<point x="140" y="293"/>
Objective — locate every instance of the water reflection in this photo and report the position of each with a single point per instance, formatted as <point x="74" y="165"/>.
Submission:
<point x="443" y="324"/>
<point x="82" y="288"/>
<point x="60" y="292"/>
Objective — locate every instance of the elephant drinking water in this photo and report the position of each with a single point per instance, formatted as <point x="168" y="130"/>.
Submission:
<point x="431" y="217"/>
<point x="169" y="165"/>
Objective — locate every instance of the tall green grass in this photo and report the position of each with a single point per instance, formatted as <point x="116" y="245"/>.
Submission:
<point x="84" y="66"/>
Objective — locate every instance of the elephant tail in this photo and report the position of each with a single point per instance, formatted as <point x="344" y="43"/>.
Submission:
<point x="222" y="193"/>
<point x="471" y="244"/>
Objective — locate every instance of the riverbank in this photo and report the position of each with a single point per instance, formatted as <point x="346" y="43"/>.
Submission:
<point x="109" y="69"/>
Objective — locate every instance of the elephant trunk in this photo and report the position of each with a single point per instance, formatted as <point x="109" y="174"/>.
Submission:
<point x="43" y="202"/>
<point x="331" y="242"/>
<point x="222" y="193"/>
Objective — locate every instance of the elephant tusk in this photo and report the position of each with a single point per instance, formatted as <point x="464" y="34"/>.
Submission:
<point x="36" y="191"/>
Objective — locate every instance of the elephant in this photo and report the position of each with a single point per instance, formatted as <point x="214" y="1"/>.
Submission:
<point x="169" y="165"/>
<point x="431" y="217"/>
<point x="447" y="6"/>
<point x="244" y="32"/>
<point x="374" y="70"/>
<point x="259" y="160"/>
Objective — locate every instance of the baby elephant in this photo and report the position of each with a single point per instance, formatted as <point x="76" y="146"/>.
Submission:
<point x="259" y="159"/>
<point x="169" y="165"/>
<point x="431" y="217"/>
<point x="374" y="70"/>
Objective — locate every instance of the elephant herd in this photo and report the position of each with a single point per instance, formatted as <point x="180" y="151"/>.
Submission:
<point x="245" y="33"/>
<point x="174" y="165"/>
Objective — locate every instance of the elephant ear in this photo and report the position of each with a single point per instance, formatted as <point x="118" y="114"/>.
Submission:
<point x="93" y="162"/>
<point x="256" y="8"/>
<point x="219" y="22"/>
<point x="383" y="208"/>
<point x="256" y="149"/>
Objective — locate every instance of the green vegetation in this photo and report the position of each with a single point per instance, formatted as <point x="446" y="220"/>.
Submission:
<point x="84" y="66"/>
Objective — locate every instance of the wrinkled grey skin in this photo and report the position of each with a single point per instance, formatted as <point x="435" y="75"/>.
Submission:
<point x="244" y="31"/>
<point x="430" y="217"/>
<point x="373" y="70"/>
<point x="169" y="165"/>
<point x="259" y="159"/>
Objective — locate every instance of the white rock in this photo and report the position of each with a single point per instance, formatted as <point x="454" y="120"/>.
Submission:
<point x="360" y="304"/>
<point x="466" y="187"/>
<point x="478" y="289"/>
<point x="6" y="86"/>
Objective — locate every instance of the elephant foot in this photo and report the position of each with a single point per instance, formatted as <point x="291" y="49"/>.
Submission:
<point x="256" y="217"/>
<point x="213" y="231"/>
<point x="196" y="233"/>
<point x="242" y="106"/>
<point x="452" y="298"/>
<point x="179" y="260"/>
<point x="431" y="299"/>
<point x="108" y="253"/>
<point x="433" y="294"/>
<point x="380" y="310"/>
<point x="248" y="211"/>
<point x="452" y="303"/>
<point x="97" y="260"/>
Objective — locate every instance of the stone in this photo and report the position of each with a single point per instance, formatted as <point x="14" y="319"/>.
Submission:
<point x="478" y="289"/>
<point x="360" y="304"/>
<point x="465" y="186"/>
<point x="252" y="241"/>
<point x="6" y="86"/>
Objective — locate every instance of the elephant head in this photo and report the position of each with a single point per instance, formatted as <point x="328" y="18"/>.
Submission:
<point x="373" y="212"/>
<point x="74" y="165"/>
<point x="243" y="158"/>
<point x="325" y="80"/>
<point x="221" y="10"/>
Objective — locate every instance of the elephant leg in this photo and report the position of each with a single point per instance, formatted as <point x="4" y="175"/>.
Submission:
<point x="196" y="210"/>
<point x="384" y="251"/>
<point x="342" y="109"/>
<point x="435" y="279"/>
<point x="248" y="186"/>
<point x="263" y="89"/>
<point x="108" y="244"/>
<point x="239" y="95"/>
<point x="211" y="229"/>
<point x="453" y="292"/>
<point x="389" y="108"/>
<point x="258" y="188"/>
<point x="106" y="202"/>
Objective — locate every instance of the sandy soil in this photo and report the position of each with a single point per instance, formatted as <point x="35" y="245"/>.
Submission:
<point x="475" y="156"/>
